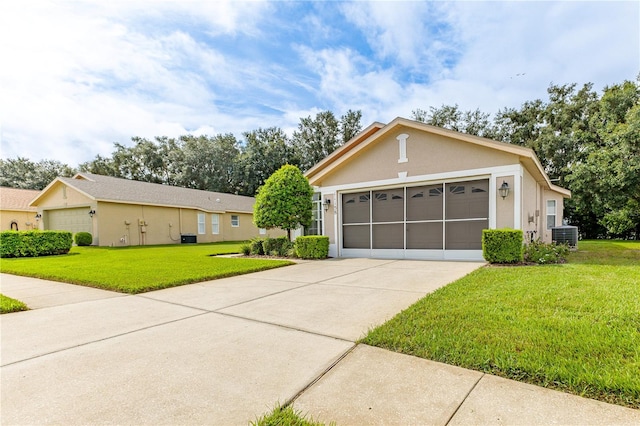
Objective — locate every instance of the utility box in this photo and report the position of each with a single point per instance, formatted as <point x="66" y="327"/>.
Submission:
<point x="188" y="238"/>
<point x="565" y="235"/>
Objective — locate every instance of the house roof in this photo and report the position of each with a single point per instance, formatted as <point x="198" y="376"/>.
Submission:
<point x="17" y="199"/>
<point x="116" y="190"/>
<point x="378" y="130"/>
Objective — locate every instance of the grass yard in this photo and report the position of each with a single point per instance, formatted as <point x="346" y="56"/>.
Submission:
<point x="573" y="327"/>
<point x="139" y="269"/>
<point x="8" y="305"/>
<point x="285" y="416"/>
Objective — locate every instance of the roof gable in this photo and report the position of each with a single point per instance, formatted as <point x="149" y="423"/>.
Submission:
<point x="368" y="138"/>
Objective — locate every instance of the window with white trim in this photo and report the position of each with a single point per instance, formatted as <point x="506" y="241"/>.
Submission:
<point x="551" y="213"/>
<point x="316" y="216"/>
<point x="201" y="225"/>
<point x="215" y="223"/>
<point x="263" y="231"/>
<point x="235" y="220"/>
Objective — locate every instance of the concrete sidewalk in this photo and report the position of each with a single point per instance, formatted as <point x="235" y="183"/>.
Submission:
<point x="227" y="351"/>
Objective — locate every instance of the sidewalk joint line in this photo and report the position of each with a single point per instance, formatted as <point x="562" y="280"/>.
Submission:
<point x="105" y="338"/>
<point x="464" y="399"/>
<point x="288" y="327"/>
<point x="320" y="376"/>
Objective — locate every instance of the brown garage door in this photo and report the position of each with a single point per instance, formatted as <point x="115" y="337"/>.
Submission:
<point x="447" y="216"/>
<point x="73" y="220"/>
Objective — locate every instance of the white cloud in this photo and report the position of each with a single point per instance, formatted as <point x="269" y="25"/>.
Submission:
<point x="78" y="76"/>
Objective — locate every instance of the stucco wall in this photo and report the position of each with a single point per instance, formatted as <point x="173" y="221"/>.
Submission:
<point x="531" y="207"/>
<point x="504" y="207"/>
<point x="25" y="220"/>
<point x="122" y="225"/>
<point x="426" y="154"/>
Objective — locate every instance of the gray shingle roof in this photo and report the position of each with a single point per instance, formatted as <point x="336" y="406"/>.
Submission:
<point x="106" y="188"/>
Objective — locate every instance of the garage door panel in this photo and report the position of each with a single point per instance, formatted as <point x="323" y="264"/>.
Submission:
<point x="388" y="236"/>
<point x="424" y="235"/>
<point x="388" y="205"/>
<point x="465" y="200"/>
<point x="356" y="237"/>
<point x="424" y="203"/>
<point x="355" y="207"/>
<point x="464" y="235"/>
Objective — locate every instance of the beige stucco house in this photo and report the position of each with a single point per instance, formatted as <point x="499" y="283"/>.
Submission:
<point x="122" y="212"/>
<point x="410" y="190"/>
<point x="15" y="212"/>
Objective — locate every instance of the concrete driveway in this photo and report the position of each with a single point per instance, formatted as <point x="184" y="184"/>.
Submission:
<point x="226" y="351"/>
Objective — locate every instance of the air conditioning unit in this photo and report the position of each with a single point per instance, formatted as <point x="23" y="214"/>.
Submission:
<point x="565" y="234"/>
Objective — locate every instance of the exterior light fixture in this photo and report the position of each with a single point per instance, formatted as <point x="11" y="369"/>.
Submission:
<point x="326" y="204"/>
<point x="92" y="212"/>
<point x="38" y="216"/>
<point x="504" y="190"/>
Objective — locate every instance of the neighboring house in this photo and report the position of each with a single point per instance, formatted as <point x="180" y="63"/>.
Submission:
<point x="122" y="212"/>
<point x="15" y="212"/>
<point x="410" y="190"/>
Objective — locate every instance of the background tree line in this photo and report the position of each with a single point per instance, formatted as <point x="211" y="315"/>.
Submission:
<point x="587" y="142"/>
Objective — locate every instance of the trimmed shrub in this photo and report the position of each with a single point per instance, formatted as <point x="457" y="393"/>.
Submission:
<point x="34" y="243"/>
<point x="502" y="245"/>
<point x="256" y="246"/>
<point x="276" y="246"/>
<point x="543" y="253"/>
<point x="312" y="247"/>
<point x="83" y="238"/>
<point x="245" y="249"/>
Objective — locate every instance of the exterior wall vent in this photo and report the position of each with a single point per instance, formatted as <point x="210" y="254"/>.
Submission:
<point x="565" y="234"/>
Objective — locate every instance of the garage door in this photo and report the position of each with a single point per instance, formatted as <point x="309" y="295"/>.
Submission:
<point x="397" y="221"/>
<point x="73" y="220"/>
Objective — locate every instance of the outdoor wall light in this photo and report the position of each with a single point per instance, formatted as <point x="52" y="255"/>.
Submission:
<point x="326" y="204"/>
<point x="38" y="216"/>
<point x="504" y="190"/>
<point x="92" y="212"/>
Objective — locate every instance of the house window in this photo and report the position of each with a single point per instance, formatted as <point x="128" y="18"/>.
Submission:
<point x="201" y="223"/>
<point x="263" y="231"/>
<point x="215" y="223"/>
<point x="551" y="213"/>
<point x="235" y="220"/>
<point x="316" y="216"/>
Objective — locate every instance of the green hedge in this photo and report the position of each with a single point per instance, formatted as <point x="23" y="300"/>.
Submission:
<point x="312" y="247"/>
<point x="34" y="243"/>
<point x="276" y="246"/>
<point x="83" y="238"/>
<point x="502" y="245"/>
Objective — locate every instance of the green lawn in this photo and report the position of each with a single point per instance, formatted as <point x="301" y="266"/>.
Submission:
<point x="8" y="305"/>
<point x="285" y="416"/>
<point x="573" y="327"/>
<point x="139" y="269"/>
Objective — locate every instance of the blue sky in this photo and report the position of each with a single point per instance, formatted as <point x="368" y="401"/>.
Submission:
<point x="78" y="76"/>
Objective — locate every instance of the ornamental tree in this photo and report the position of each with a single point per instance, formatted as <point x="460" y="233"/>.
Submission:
<point x="284" y="201"/>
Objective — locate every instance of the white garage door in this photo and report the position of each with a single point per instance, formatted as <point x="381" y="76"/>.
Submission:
<point x="73" y="220"/>
<point x="416" y="221"/>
